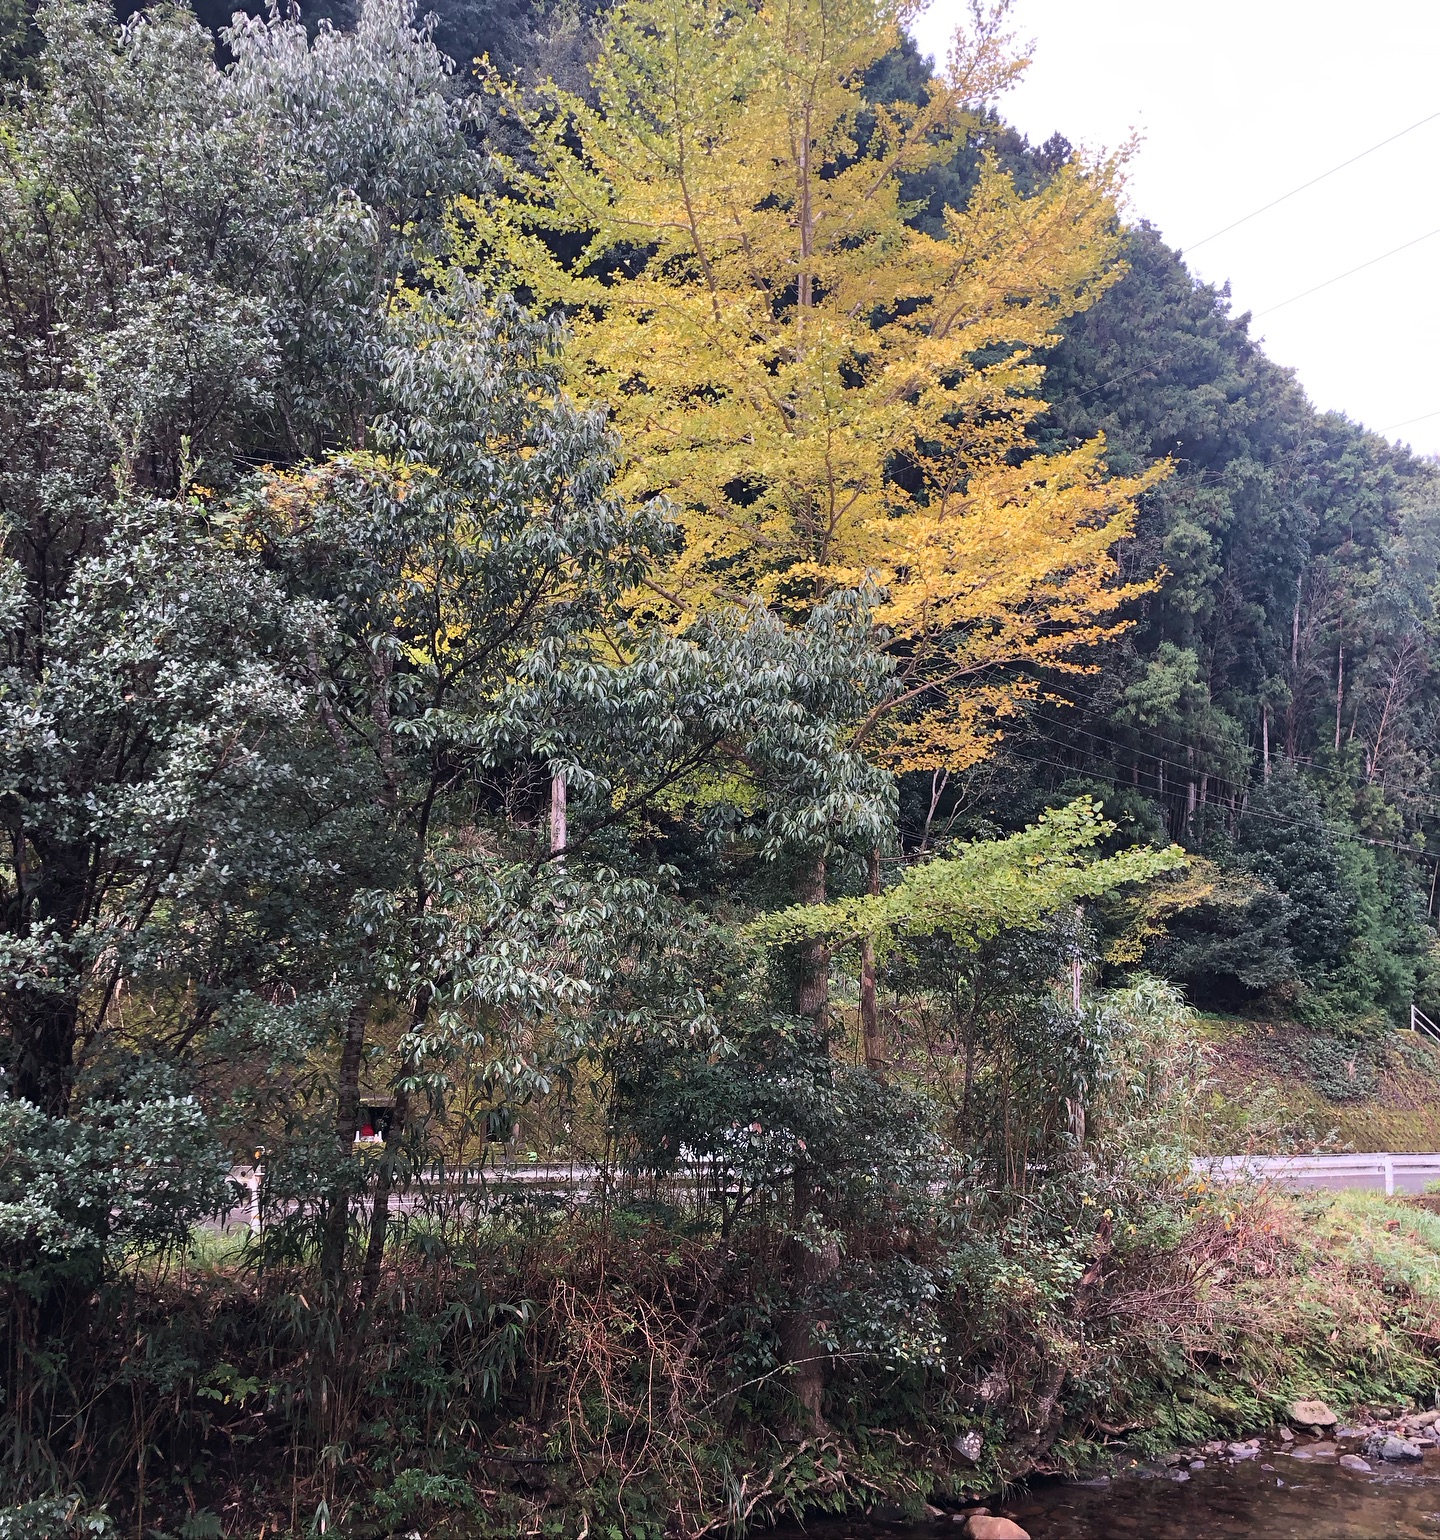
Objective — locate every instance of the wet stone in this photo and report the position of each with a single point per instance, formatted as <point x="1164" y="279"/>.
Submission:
<point x="991" y="1527"/>
<point x="1312" y="1414"/>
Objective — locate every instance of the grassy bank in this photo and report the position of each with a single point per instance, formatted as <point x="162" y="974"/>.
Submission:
<point x="1278" y="1086"/>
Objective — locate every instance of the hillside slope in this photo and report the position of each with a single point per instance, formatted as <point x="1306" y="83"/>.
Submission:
<point x="1278" y="1086"/>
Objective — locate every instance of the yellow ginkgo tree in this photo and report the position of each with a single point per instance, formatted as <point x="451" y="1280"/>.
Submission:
<point x="828" y="394"/>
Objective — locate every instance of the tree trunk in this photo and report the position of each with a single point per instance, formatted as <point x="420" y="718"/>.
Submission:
<point x="1292" y="711"/>
<point x="869" y="1006"/>
<point x="814" y="1258"/>
<point x="559" y="820"/>
<point x="1265" y="739"/>
<point x="380" y="1210"/>
<point x="44" y="1064"/>
<point x="44" y="1022"/>
<point x="970" y="1046"/>
<point x="812" y="957"/>
<point x="347" y="1125"/>
<point x="385" y="1179"/>
<point x="812" y="1255"/>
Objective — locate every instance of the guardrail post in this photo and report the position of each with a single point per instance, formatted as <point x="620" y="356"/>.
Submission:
<point x="1389" y="1177"/>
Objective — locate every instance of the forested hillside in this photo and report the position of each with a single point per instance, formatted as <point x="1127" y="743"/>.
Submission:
<point x="642" y="686"/>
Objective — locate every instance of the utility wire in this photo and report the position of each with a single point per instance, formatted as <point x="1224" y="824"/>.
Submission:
<point x="1082" y="700"/>
<point x="1425" y="801"/>
<point x="1348" y="273"/>
<point x="1304" y="186"/>
<point x="1337" y="833"/>
<point x="1390" y="427"/>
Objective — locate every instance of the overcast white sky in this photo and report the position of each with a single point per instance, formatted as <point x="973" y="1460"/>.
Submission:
<point x="1237" y="102"/>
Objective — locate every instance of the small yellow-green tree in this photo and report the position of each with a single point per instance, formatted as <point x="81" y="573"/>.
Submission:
<point x="828" y="394"/>
<point x="987" y="887"/>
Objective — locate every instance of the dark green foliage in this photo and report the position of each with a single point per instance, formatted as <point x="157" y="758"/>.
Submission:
<point x="1231" y="950"/>
<point x="1286" y="843"/>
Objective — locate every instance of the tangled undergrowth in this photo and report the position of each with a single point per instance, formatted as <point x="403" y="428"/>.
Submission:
<point x="616" y="1373"/>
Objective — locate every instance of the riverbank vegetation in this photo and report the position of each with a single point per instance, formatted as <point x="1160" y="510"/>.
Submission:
<point x="634" y="714"/>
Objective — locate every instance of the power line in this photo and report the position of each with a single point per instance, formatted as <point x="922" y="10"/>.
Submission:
<point x="1348" y="273"/>
<point x="1089" y="702"/>
<point x="1423" y="417"/>
<point x="1250" y="812"/>
<point x="1427" y="802"/>
<point x="1304" y="186"/>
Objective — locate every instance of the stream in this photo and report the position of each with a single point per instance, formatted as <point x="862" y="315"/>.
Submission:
<point x="1272" y="1496"/>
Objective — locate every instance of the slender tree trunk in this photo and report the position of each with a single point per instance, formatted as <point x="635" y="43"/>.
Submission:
<point x="970" y="1045"/>
<point x="1265" y="739"/>
<point x="812" y="960"/>
<point x="559" y="822"/>
<point x="44" y="1023"/>
<point x="1339" y="692"/>
<point x="385" y="1177"/>
<point x="814" y="1257"/>
<point x="347" y="1125"/>
<point x="812" y="1254"/>
<point x="869" y="1005"/>
<point x="380" y="1210"/>
<point x="44" y="1063"/>
<point x="1292" y="711"/>
<point x="939" y="780"/>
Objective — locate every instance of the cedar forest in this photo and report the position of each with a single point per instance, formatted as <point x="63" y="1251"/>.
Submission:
<point x="651" y="682"/>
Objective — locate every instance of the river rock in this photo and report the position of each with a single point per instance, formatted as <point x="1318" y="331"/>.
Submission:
<point x="1354" y="1462"/>
<point x="1400" y="1449"/>
<point x="1312" y="1414"/>
<point x="984" y="1526"/>
<point x="969" y="1446"/>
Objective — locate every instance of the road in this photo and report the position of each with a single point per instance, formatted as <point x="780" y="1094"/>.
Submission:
<point x="1388" y="1173"/>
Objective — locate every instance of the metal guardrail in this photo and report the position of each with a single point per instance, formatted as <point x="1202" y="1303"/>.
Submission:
<point x="1420" y="1022"/>
<point x="1388" y="1171"/>
<point x="485" y="1182"/>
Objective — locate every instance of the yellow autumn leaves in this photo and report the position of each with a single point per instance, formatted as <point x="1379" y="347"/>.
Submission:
<point x="828" y="394"/>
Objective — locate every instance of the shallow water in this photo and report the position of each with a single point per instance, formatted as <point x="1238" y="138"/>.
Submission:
<point x="1315" y="1499"/>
